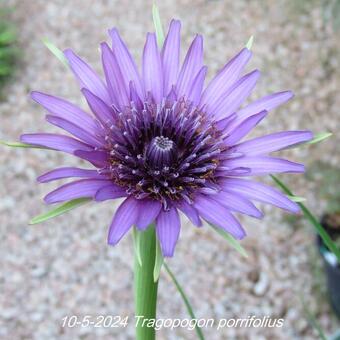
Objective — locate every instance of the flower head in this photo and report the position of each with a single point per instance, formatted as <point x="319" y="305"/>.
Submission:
<point x="164" y="142"/>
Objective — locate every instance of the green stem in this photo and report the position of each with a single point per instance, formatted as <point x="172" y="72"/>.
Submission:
<point x="145" y="287"/>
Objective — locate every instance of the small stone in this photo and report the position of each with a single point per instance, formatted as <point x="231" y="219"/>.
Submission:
<point x="261" y="285"/>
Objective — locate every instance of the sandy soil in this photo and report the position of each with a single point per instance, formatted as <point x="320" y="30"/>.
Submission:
<point x="64" y="266"/>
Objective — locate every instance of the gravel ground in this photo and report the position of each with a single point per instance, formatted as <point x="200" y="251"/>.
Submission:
<point x="64" y="266"/>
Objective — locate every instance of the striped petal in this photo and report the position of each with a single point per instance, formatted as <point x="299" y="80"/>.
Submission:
<point x="190" y="212"/>
<point x="273" y="142"/>
<point x="233" y="99"/>
<point x="218" y="215"/>
<point x="67" y="172"/>
<point x="109" y="192"/>
<point x="259" y="192"/>
<point x="267" y="103"/>
<point x="148" y="212"/>
<point x="125" y="216"/>
<point x="126" y="63"/>
<point x="63" y="109"/>
<point x="244" y="128"/>
<point x="56" y="142"/>
<point x="117" y="88"/>
<point x="100" y="109"/>
<point x="261" y="165"/>
<point x="224" y="79"/>
<point x="170" y="56"/>
<point x="87" y="77"/>
<point x="236" y="203"/>
<point x="77" y="189"/>
<point x="77" y="131"/>
<point x="194" y="94"/>
<point x="97" y="158"/>
<point x="193" y="62"/>
<point x="168" y="227"/>
<point x="152" y="68"/>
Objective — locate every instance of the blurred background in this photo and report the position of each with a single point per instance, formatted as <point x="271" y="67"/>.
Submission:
<point x="64" y="266"/>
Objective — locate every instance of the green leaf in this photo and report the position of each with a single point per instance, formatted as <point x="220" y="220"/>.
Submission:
<point x="158" y="26"/>
<point x="319" y="137"/>
<point x="61" y="209"/>
<point x="185" y="299"/>
<point x="249" y="44"/>
<point x="296" y="199"/>
<point x="236" y="245"/>
<point x="136" y="242"/>
<point x="56" y="51"/>
<point x="158" y="262"/>
<point x="312" y="320"/>
<point x="21" y="145"/>
<point x="313" y="220"/>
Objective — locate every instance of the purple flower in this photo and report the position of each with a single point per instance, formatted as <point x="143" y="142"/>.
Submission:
<point x="166" y="143"/>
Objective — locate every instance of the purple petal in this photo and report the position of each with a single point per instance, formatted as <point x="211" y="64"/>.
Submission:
<point x="152" y="68"/>
<point x="168" y="228"/>
<point x="109" y="192"/>
<point x="76" y="131"/>
<point x="97" y="158"/>
<point x="63" y="109"/>
<point x="259" y="192"/>
<point x="87" y="77"/>
<point x="67" y="172"/>
<point x="134" y="97"/>
<point x="54" y="141"/>
<point x="191" y="213"/>
<point x="77" y="189"/>
<point x="232" y="100"/>
<point x="114" y="78"/>
<point x="237" y="203"/>
<point x="225" y="78"/>
<point x="266" y="103"/>
<point x="219" y="216"/>
<point x="125" y="216"/>
<point x="273" y="142"/>
<point x="102" y="111"/>
<point x="193" y="62"/>
<point x="126" y="62"/>
<point x="194" y="94"/>
<point x="244" y="128"/>
<point x="170" y="55"/>
<point x="260" y="165"/>
<point x="148" y="212"/>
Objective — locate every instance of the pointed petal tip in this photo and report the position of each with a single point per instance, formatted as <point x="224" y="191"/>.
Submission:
<point x="22" y="138"/>
<point x="289" y="93"/>
<point x="295" y="209"/>
<point x="41" y="179"/>
<point x="114" y="33"/>
<point x="285" y="95"/>
<point x="241" y="236"/>
<point x="35" y="95"/>
<point x="103" y="45"/>
<point x="111" y="241"/>
<point x="256" y="73"/>
<point x="68" y="52"/>
<point x="175" y="22"/>
<point x="47" y="199"/>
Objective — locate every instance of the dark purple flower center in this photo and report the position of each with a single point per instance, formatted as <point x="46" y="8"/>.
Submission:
<point x="165" y="152"/>
<point x="161" y="152"/>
